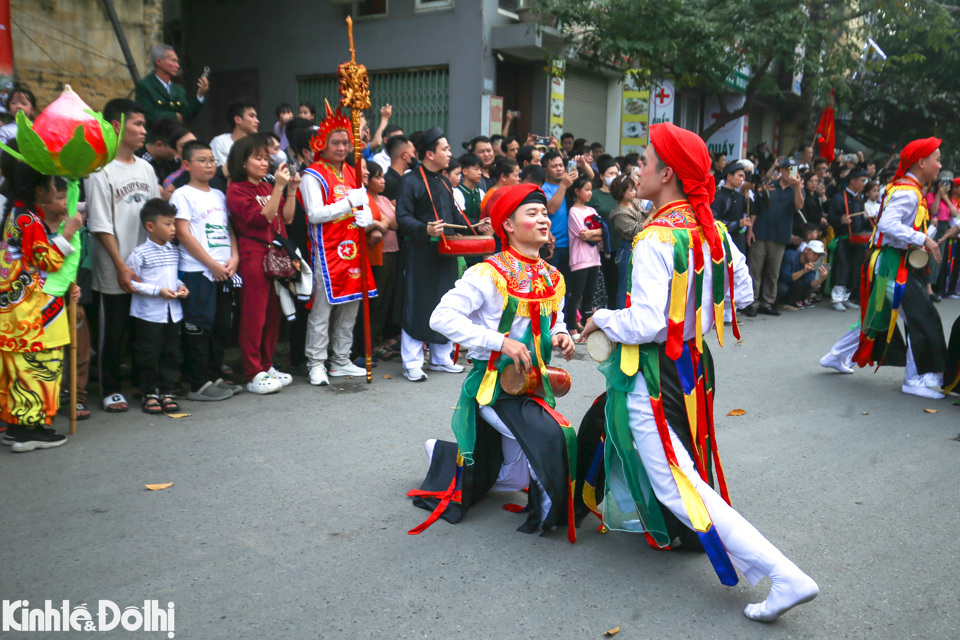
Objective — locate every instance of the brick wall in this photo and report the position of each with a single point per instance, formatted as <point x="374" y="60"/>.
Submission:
<point x="57" y="42"/>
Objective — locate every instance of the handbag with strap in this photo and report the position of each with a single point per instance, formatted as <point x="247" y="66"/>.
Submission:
<point x="276" y="261"/>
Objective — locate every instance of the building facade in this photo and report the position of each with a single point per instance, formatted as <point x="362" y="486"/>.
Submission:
<point x="458" y="64"/>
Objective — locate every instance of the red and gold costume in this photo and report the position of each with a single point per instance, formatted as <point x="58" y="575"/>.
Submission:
<point x="33" y="324"/>
<point x="334" y="243"/>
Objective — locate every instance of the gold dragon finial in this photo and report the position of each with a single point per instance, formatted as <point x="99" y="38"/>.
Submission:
<point x="354" y="83"/>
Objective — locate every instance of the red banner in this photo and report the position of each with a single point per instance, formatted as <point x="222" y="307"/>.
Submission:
<point x="6" y="41"/>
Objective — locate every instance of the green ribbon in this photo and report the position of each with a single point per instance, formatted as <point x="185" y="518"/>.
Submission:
<point x="59" y="281"/>
<point x="621" y="458"/>
<point x="464" y="422"/>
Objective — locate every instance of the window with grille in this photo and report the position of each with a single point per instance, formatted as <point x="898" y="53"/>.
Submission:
<point x="419" y="97"/>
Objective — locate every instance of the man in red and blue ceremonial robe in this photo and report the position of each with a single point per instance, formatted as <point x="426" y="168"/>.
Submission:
<point x="337" y="212"/>
<point x="890" y="286"/>
<point x="658" y="450"/>
<point x="507" y="311"/>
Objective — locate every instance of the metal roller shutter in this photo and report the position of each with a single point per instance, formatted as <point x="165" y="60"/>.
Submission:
<point x="419" y="97"/>
<point x="585" y="105"/>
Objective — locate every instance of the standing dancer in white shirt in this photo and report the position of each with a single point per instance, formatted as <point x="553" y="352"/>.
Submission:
<point x="660" y="450"/>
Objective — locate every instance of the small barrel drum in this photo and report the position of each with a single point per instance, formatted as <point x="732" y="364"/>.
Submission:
<point x="860" y="238"/>
<point x="918" y="258"/>
<point x="466" y="245"/>
<point x="599" y="346"/>
<point x="529" y="383"/>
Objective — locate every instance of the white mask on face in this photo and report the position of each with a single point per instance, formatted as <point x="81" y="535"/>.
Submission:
<point x="278" y="158"/>
<point x="609" y="180"/>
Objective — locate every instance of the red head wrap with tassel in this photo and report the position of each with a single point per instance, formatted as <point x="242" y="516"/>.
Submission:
<point x="686" y="153"/>
<point x="914" y="152"/>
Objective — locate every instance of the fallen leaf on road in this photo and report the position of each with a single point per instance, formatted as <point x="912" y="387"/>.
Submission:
<point x="737" y="412"/>
<point x="612" y="632"/>
<point x="929" y="410"/>
<point x="158" y="487"/>
<point x="387" y="376"/>
<point x="865" y="413"/>
<point x="178" y="415"/>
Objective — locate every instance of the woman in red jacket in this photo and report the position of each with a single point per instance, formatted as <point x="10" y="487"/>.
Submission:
<point x="258" y="211"/>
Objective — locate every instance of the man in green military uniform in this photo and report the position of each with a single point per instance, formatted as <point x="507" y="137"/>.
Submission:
<point x="160" y="97"/>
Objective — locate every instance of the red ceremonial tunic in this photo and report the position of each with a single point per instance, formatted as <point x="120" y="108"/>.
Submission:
<point x="334" y="245"/>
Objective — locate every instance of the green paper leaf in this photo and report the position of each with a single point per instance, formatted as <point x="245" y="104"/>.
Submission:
<point x="58" y="282"/>
<point x="77" y="155"/>
<point x="108" y="132"/>
<point x="123" y="120"/>
<point x="32" y="147"/>
<point x="15" y="154"/>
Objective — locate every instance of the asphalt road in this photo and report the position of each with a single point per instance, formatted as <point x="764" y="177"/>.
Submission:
<point x="288" y="516"/>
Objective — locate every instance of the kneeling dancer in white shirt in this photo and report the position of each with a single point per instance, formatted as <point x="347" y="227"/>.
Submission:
<point x="507" y="311"/>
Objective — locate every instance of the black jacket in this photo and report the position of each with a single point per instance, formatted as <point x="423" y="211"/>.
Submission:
<point x="858" y="224"/>
<point x="426" y="275"/>
<point x="729" y="207"/>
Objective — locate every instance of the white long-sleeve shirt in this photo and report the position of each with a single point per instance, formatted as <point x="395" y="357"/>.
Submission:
<point x="469" y="314"/>
<point x="156" y="266"/>
<point x="897" y="218"/>
<point x="318" y="211"/>
<point x="646" y="319"/>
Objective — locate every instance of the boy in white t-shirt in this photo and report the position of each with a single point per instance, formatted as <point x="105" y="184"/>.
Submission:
<point x="208" y="263"/>
<point x="115" y="196"/>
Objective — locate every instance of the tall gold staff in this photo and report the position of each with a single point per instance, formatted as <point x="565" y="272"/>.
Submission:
<point x="355" y="95"/>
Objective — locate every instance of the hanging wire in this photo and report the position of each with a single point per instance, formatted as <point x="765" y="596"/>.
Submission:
<point x="69" y="44"/>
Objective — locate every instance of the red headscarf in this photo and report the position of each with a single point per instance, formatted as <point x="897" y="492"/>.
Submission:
<point x="508" y="199"/>
<point x="686" y="153"/>
<point x="914" y="152"/>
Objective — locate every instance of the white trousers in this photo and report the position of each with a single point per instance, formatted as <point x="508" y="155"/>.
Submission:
<point x="846" y="347"/>
<point x="329" y="325"/>
<point x="839" y="294"/>
<point x="749" y="551"/>
<point x="515" y="472"/>
<point x="411" y="352"/>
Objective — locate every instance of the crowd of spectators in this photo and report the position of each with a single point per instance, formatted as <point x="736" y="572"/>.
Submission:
<point x="178" y="230"/>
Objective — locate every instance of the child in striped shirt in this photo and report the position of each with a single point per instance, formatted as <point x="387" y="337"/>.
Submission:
<point x="156" y="308"/>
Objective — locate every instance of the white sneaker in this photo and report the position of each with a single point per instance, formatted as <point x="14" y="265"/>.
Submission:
<point x="318" y="376"/>
<point x="446" y="368"/>
<point x="850" y="305"/>
<point x="429" y="446"/>
<point x="831" y="361"/>
<point x="953" y="296"/>
<point x="262" y="384"/>
<point x="838" y="306"/>
<point x="415" y="374"/>
<point x="283" y="378"/>
<point x="348" y="369"/>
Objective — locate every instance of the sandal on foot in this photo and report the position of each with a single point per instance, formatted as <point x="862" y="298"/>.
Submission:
<point x="151" y="404"/>
<point x="384" y="353"/>
<point x="169" y="404"/>
<point x="110" y="403"/>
